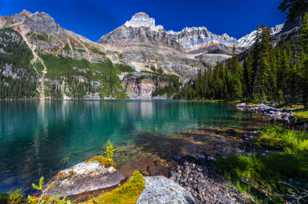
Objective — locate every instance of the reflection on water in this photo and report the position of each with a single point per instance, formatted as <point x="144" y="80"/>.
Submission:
<point x="40" y="138"/>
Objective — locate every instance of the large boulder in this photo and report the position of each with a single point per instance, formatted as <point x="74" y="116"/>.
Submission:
<point x="160" y="190"/>
<point x="83" y="177"/>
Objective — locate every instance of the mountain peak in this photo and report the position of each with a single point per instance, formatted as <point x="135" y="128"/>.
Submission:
<point x="25" y="13"/>
<point x="142" y="19"/>
<point x="141" y="15"/>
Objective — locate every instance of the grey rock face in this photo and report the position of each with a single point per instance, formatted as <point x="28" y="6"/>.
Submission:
<point x="143" y="86"/>
<point x="160" y="190"/>
<point x="142" y="29"/>
<point x="83" y="177"/>
<point x="143" y="44"/>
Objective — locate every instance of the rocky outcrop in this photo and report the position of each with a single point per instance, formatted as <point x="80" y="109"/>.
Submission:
<point x="160" y="190"/>
<point x="273" y="113"/>
<point x="144" y="85"/>
<point x="81" y="178"/>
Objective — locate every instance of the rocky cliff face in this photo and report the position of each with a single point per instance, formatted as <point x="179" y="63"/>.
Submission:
<point x="142" y="44"/>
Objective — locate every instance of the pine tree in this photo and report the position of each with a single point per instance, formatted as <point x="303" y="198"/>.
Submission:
<point x="262" y="64"/>
<point x="248" y="76"/>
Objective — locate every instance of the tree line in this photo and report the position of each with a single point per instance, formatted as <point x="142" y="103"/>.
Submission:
<point x="265" y="73"/>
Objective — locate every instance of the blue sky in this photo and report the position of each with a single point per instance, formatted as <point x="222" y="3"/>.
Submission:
<point x="93" y="18"/>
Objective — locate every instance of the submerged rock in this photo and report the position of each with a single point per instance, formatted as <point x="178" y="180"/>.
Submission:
<point x="160" y="190"/>
<point x="83" y="177"/>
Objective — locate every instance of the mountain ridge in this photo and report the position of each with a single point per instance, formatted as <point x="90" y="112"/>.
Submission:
<point x="68" y="65"/>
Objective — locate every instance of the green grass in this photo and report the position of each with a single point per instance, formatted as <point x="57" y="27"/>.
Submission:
<point x="302" y="114"/>
<point x="128" y="193"/>
<point x="289" y="140"/>
<point x="268" y="178"/>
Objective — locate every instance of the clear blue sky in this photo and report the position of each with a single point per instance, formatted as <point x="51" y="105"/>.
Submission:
<point x="93" y="18"/>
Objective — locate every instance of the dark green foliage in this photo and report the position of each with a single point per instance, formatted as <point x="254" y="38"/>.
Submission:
<point x="262" y="66"/>
<point x="222" y="82"/>
<point x="17" y="76"/>
<point x="294" y="8"/>
<point x="79" y="76"/>
<point x="14" y="49"/>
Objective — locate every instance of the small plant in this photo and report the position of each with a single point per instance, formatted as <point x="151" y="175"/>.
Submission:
<point x="107" y="158"/>
<point x="109" y="151"/>
<point x="44" y="199"/>
<point x="15" y="197"/>
<point x="40" y="185"/>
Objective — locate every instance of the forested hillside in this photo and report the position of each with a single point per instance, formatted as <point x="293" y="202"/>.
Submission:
<point x="275" y="69"/>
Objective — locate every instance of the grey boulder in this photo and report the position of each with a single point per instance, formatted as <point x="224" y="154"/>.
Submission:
<point x="160" y="190"/>
<point x="81" y="178"/>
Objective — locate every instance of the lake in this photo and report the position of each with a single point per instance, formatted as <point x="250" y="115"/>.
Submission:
<point x="38" y="139"/>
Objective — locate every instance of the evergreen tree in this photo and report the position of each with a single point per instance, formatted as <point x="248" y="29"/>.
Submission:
<point x="262" y="65"/>
<point x="248" y="76"/>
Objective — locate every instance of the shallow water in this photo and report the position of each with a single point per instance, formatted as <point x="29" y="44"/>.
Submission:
<point x="38" y="139"/>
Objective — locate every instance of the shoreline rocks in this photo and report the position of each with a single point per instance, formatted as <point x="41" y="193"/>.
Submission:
<point x="161" y="190"/>
<point x="274" y="113"/>
<point x="82" y="178"/>
<point x="202" y="181"/>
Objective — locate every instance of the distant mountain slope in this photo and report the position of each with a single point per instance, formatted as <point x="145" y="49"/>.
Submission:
<point x="55" y="63"/>
<point x="142" y="44"/>
<point x="139" y="59"/>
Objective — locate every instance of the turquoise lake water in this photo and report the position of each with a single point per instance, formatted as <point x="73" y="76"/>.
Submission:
<point x="38" y="139"/>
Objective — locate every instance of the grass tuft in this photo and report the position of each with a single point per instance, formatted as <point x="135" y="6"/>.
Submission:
<point x="302" y="115"/>
<point x="128" y="193"/>
<point x="275" y="177"/>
